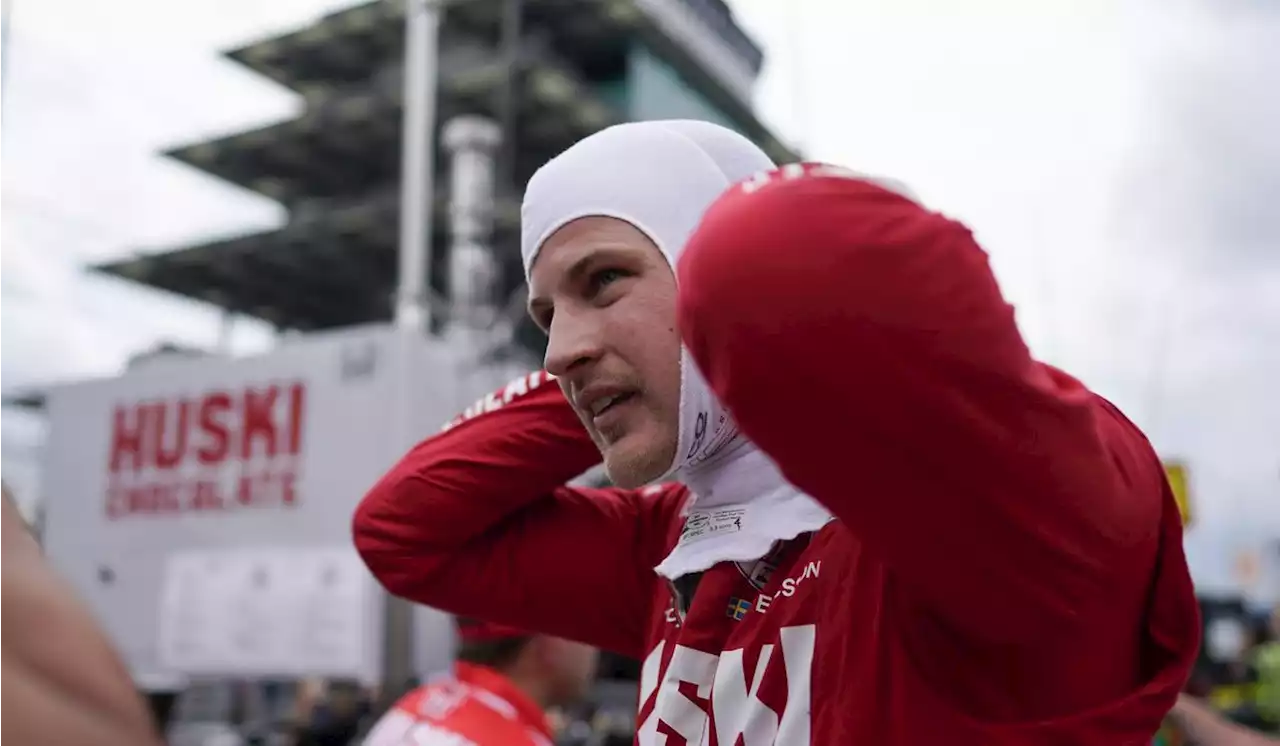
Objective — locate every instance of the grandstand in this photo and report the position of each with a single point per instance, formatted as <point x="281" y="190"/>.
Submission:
<point x="550" y="71"/>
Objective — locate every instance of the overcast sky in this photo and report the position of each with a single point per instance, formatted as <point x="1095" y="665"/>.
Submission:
<point x="1119" y="163"/>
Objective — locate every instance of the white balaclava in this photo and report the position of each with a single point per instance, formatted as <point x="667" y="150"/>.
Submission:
<point x="660" y="177"/>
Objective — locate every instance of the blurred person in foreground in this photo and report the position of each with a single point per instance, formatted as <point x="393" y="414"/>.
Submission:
<point x="63" y="683"/>
<point x="888" y="523"/>
<point x="503" y="683"/>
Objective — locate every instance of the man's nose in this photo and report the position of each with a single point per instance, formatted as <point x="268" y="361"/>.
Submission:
<point x="573" y="342"/>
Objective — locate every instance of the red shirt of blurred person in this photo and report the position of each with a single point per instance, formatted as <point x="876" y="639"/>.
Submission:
<point x="496" y="695"/>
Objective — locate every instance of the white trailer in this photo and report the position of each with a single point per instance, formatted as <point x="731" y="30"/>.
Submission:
<point x="261" y="457"/>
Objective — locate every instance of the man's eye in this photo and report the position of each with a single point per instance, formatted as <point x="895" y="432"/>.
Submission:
<point x="603" y="278"/>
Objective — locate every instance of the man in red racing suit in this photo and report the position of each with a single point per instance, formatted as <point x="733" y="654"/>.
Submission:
<point x="501" y="683"/>
<point x="1005" y="564"/>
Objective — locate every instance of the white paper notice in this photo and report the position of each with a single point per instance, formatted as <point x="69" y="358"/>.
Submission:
<point x="277" y="612"/>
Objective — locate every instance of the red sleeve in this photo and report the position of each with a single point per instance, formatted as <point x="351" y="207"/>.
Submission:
<point x="477" y="521"/>
<point x="861" y="341"/>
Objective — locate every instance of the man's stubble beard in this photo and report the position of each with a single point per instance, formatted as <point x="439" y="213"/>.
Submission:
<point x="634" y="470"/>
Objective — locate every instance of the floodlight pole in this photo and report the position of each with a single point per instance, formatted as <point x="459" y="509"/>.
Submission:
<point x="413" y="293"/>
<point x="417" y="162"/>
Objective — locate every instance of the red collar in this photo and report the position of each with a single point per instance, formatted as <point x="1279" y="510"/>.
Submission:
<point x="483" y="677"/>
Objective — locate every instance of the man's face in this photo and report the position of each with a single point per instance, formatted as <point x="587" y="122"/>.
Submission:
<point x="570" y="668"/>
<point x="606" y="298"/>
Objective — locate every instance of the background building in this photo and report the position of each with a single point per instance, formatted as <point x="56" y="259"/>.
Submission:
<point x="550" y="71"/>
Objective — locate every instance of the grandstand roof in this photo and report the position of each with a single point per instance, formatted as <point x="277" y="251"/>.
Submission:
<point x="350" y="45"/>
<point x="348" y="142"/>
<point x="336" y="166"/>
<point x="329" y="268"/>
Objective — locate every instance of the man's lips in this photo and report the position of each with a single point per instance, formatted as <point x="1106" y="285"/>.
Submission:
<point x="600" y="406"/>
<point x="596" y="398"/>
<point x="611" y="421"/>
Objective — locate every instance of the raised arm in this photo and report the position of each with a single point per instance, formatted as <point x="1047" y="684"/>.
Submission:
<point x="862" y="342"/>
<point x="1205" y="726"/>
<point x="477" y="521"/>
<point x="63" y="683"/>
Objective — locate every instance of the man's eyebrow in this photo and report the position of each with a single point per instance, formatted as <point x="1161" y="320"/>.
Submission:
<point x="576" y="270"/>
<point x="584" y="262"/>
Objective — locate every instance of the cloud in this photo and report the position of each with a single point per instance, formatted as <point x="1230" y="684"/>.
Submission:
<point x="1198" y="207"/>
<point x="1210" y="186"/>
<point x="85" y="119"/>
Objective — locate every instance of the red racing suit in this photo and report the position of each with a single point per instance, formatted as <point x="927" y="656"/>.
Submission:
<point x="477" y="706"/>
<point x="1006" y="566"/>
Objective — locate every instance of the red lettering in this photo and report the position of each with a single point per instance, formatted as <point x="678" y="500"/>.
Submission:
<point x="168" y="455"/>
<point x="259" y="421"/>
<point x="254" y="488"/>
<point x="117" y="506"/>
<point x="152" y="443"/>
<point x="153" y="498"/>
<point x="297" y="401"/>
<point x="206" y="496"/>
<point x="289" y="488"/>
<point x="126" y="437"/>
<point x="217" y="437"/>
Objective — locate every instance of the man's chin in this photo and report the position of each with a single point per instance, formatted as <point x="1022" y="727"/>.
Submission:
<point x="631" y="465"/>
<point x="624" y="477"/>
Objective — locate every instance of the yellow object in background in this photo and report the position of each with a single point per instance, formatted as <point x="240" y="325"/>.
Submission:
<point x="1176" y="473"/>
<point x="1231" y="696"/>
